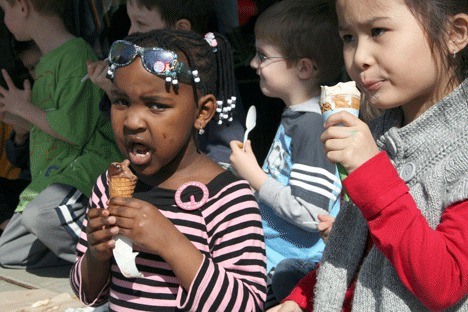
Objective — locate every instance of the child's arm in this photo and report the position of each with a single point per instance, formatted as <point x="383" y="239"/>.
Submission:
<point x="286" y="306"/>
<point x="95" y="264"/>
<point x="90" y="275"/>
<point x="325" y="226"/>
<point x="17" y="145"/>
<point x="293" y="208"/>
<point x="303" y="294"/>
<point x="245" y="164"/>
<point x="312" y="188"/>
<point x="17" y="149"/>
<point x="97" y="72"/>
<point x="21" y="126"/>
<point x="136" y="219"/>
<point x="432" y="264"/>
<point x="18" y="102"/>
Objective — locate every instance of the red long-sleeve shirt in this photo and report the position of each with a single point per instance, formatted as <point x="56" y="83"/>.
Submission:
<point x="439" y="274"/>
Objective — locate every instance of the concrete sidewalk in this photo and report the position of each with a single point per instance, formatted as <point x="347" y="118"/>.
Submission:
<point x="45" y="289"/>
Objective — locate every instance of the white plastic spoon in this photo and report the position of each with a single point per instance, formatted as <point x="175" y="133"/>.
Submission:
<point x="250" y="122"/>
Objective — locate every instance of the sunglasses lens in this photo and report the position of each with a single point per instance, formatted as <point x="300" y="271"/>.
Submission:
<point x="122" y="53"/>
<point x="159" y="60"/>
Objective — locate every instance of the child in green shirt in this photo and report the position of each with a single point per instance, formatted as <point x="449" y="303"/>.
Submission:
<point x="70" y="143"/>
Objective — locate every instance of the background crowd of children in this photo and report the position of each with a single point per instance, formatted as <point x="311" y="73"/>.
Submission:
<point x="262" y="235"/>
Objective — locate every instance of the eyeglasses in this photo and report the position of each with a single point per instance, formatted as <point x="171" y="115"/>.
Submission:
<point x="262" y="57"/>
<point x="157" y="61"/>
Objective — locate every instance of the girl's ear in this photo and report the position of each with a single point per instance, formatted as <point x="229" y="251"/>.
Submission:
<point x="305" y="68"/>
<point x="25" y="6"/>
<point x="206" y="110"/>
<point x="458" y="33"/>
<point x="183" y="24"/>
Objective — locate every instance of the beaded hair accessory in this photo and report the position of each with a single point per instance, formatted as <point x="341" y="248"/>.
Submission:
<point x="224" y="109"/>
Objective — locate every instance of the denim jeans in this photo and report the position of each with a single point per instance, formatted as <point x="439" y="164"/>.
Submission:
<point x="287" y="274"/>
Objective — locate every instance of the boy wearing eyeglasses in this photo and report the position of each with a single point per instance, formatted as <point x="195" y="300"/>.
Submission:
<point x="298" y="50"/>
<point x="70" y="143"/>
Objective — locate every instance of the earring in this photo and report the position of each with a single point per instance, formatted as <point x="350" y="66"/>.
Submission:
<point x="201" y="131"/>
<point x="454" y="55"/>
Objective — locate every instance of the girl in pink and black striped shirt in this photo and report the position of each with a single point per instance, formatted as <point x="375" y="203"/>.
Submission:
<point x="196" y="227"/>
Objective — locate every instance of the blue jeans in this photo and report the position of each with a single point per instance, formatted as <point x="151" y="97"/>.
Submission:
<point x="287" y="274"/>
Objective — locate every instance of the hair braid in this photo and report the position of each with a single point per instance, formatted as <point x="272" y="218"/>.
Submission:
<point x="225" y="78"/>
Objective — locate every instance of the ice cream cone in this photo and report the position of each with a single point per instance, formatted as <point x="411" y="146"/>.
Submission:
<point x="122" y="181"/>
<point x="121" y="187"/>
<point x="342" y="96"/>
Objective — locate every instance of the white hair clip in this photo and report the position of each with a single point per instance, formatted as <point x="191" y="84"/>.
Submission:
<point x="210" y="38"/>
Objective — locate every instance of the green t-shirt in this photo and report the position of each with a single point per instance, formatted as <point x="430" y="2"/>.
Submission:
<point x="73" y="112"/>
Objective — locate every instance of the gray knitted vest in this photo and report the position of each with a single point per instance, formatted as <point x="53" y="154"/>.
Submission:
<point x="431" y="155"/>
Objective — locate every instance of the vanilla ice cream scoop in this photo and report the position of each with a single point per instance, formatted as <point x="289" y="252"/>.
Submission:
<point x="342" y="96"/>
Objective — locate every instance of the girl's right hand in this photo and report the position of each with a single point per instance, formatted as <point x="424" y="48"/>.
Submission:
<point x="325" y="225"/>
<point x="245" y="164"/>
<point x="287" y="306"/>
<point x="351" y="145"/>
<point x="100" y="234"/>
<point x="97" y="72"/>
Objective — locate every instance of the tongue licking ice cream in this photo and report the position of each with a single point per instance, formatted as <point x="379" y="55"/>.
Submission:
<point x="122" y="183"/>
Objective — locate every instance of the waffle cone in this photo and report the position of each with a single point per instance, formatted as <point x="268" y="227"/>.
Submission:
<point x="121" y="187"/>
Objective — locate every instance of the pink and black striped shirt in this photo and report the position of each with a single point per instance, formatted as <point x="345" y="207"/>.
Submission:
<point x="227" y="230"/>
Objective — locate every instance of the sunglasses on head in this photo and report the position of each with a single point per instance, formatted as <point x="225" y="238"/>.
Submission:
<point x="157" y="61"/>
